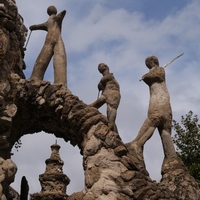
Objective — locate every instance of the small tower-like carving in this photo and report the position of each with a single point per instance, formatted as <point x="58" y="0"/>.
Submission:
<point x="53" y="181"/>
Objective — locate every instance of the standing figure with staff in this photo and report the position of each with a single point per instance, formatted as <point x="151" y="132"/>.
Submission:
<point x="110" y="95"/>
<point x="53" y="47"/>
<point x="159" y="111"/>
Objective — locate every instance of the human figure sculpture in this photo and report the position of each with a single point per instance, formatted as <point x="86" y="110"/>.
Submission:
<point x="159" y="112"/>
<point x="110" y="95"/>
<point x="53" y="47"/>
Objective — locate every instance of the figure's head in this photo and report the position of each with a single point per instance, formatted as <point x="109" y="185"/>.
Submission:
<point x="151" y="61"/>
<point x="51" y="10"/>
<point x="102" y="67"/>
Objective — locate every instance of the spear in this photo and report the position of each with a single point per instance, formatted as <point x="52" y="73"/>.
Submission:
<point x="165" y="65"/>
<point x="98" y="94"/>
<point x="27" y="41"/>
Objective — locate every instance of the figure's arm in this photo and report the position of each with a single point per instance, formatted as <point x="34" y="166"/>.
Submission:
<point x="62" y="14"/>
<point x="147" y="76"/>
<point x="155" y="75"/>
<point x="42" y="26"/>
<point x="100" y="86"/>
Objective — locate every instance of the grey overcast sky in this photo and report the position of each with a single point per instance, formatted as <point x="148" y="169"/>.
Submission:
<point x="121" y="33"/>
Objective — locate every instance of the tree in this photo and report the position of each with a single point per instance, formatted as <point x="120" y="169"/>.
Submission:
<point x="187" y="140"/>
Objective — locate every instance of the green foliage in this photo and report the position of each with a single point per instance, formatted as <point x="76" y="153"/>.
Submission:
<point x="187" y="140"/>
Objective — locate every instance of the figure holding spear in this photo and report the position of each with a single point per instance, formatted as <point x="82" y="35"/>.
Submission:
<point x="53" y="47"/>
<point x="159" y="111"/>
<point x="110" y="95"/>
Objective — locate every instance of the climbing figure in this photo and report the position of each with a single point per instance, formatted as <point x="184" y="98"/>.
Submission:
<point x="159" y="112"/>
<point x="110" y="95"/>
<point x="53" y="47"/>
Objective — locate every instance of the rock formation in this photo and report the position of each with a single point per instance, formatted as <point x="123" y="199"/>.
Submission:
<point x="113" y="171"/>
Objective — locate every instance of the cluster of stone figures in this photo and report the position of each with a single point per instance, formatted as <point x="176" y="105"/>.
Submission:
<point x="159" y="112"/>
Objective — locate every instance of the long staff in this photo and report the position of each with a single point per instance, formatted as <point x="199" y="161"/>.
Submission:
<point x="27" y="41"/>
<point x="172" y="60"/>
<point x="98" y="94"/>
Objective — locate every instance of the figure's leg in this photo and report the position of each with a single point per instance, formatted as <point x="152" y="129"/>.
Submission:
<point x="60" y="63"/>
<point x="42" y="62"/>
<point x="111" y="115"/>
<point x="167" y="142"/>
<point x="145" y="132"/>
<point x="136" y="146"/>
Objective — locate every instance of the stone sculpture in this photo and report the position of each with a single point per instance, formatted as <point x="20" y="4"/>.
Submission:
<point x="111" y="172"/>
<point x="53" y="181"/>
<point x="53" y="46"/>
<point x="159" y="112"/>
<point x="110" y="94"/>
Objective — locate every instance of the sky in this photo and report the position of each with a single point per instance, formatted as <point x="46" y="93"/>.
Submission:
<point x="120" y="33"/>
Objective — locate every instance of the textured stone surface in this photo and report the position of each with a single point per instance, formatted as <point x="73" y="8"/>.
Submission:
<point x="113" y="170"/>
<point x="12" y="37"/>
<point x="8" y="170"/>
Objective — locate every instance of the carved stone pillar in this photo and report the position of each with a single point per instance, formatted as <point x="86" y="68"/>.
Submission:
<point x="53" y="181"/>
